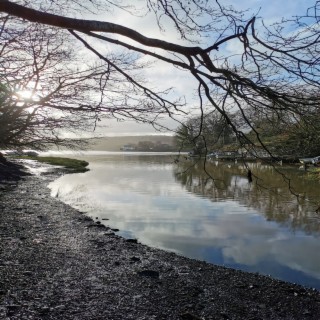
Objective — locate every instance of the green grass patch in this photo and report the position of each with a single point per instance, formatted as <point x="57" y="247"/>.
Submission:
<point x="314" y="174"/>
<point x="72" y="164"/>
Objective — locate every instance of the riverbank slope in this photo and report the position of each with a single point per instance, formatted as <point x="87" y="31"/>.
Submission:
<point x="56" y="263"/>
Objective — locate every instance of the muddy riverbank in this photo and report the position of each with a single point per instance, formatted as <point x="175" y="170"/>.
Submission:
<point x="55" y="263"/>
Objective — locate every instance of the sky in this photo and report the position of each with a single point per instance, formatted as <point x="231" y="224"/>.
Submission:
<point x="163" y="75"/>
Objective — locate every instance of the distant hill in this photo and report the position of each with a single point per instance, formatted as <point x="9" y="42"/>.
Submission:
<point x="116" y="143"/>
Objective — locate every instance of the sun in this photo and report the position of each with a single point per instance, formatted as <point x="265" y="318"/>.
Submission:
<point x="25" y="95"/>
<point x="26" y="99"/>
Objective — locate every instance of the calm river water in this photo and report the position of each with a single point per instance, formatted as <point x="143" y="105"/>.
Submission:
<point x="257" y="227"/>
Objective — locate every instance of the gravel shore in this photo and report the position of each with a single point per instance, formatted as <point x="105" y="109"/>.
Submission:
<point x="56" y="263"/>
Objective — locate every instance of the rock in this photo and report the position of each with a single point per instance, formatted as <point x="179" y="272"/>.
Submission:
<point x="149" y="273"/>
<point x="132" y="240"/>
<point x="44" y="310"/>
<point x="100" y="243"/>
<point x="189" y="316"/>
<point x="224" y="315"/>
<point x="60" y="307"/>
<point x="3" y="160"/>
<point x="12" y="308"/>
<point x="135" y="259"/>
<point x="109" y="233"/>
<point x="97" y="225"/>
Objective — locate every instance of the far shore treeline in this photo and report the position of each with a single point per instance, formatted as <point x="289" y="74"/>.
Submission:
<point x="133" y="143"/>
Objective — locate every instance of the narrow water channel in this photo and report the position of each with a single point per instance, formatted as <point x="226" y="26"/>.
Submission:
<point x="260" y="226"/>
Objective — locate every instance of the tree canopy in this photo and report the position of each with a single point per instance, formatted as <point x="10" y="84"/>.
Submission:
<point x="275" y="69"/>
<point x="201" y="136"/>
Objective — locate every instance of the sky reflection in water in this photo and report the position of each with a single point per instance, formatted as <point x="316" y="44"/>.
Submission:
<point x="229" y="222"/>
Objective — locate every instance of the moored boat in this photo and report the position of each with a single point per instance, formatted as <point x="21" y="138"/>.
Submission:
<point x="314" y="160"/>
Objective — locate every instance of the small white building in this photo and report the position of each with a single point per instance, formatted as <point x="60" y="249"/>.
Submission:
<point x="127" y="147"/>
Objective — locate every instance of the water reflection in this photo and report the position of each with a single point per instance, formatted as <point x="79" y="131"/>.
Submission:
<point x="227" y="221"/>
<point x="282" y="194"/>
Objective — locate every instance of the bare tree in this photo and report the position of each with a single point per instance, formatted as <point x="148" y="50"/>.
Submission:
<point x="277" y="68"/>
<point x="50" y="95"/>
<point x="211" y="133"/>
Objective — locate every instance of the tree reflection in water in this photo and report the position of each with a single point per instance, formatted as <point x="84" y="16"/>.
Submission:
<point x="269" y="193"/>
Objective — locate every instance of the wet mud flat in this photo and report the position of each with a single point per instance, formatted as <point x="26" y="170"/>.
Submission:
<point x="56" y="263"/>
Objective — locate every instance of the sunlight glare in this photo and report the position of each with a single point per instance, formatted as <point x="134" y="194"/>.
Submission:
<point x="25" y="95"/>
<point x="28" y="99"/>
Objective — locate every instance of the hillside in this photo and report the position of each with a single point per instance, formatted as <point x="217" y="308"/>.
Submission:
<point x="116" y="143"/>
